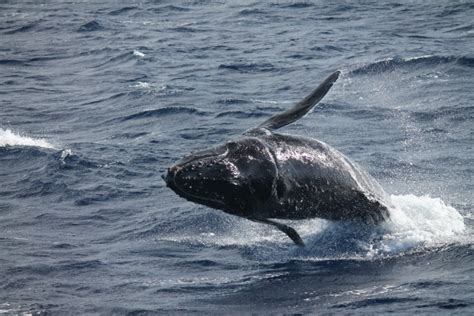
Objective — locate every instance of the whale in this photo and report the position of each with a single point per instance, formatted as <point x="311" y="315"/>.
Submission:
<point x="265" y="176"/>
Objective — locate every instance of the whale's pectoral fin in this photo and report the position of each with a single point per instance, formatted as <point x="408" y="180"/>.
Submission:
<point x="290" y="232"/>
<point x="301" y="108"/>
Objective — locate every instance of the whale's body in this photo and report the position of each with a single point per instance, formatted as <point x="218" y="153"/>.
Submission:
<point x="315" y="180"/>
<point x="265" y="175"/>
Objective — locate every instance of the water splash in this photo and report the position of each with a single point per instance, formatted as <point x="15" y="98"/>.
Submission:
<point x="9" y="138"/>
<point x="138" y="54"/>
<point x="417" y="222"/>
<point x="141" y="85"/>
<point x="421" y="220"/>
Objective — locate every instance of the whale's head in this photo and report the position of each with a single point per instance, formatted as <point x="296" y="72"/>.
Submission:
<point x="238" y="177"/>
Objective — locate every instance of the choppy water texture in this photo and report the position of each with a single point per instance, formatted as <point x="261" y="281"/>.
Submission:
<point x="98" y="98"/>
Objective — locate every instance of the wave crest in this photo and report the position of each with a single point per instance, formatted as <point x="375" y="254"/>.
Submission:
<point x="417" y="223"/>
<point x="421" y="220"/>
<point x="8" y="138"/>
<point x="391" y="64"/>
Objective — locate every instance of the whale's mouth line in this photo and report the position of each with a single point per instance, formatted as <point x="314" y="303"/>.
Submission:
<point x="179" y="189"/>
<point x="192" y="161"/>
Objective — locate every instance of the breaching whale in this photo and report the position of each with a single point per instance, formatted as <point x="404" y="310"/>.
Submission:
<point x="263" y="176"/>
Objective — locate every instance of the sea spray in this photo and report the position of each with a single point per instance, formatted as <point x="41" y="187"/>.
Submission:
<point x="9" y="138"/>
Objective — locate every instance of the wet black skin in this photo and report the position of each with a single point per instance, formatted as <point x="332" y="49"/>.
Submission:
<point x="265" y="175"/>
<point x="245" y="178"/>
<point x="236" y="177"/>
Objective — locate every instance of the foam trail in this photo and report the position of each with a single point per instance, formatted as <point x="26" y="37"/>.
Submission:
<point x="417" y="222"/>
<point x="8" y="138"/>
<point x="138" y="54"/>
<point x="421" y="220"/>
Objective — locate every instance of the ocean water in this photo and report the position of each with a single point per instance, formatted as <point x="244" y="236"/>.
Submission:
<point x="98" y="98"/>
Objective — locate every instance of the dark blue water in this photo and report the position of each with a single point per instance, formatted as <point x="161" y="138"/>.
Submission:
<point x="98" y="98"/>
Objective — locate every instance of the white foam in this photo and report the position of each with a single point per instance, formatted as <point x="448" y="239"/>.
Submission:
<point x="264" y="101"/>
<point x="65" y="153"/>
<point x="416" y="57"/>
<point x="138" y="54"/>
<point x="421" y="220"/>
<point x="8" y="138"/>
<point x="141" y="85"/>
<point x="417" y="223"/>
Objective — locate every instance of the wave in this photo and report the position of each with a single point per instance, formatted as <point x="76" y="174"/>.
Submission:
<point x="22" y="29"/>
<point x="168" y="9"/>
<point x="164" y="112"/>
<point x="118" y="59"/>
<point x="138" y="53"/>
<point x="296" y="5"/>
<point x="193" y="133"/>
<point x="417" y="223"/>
<point x="90" y="27"/>
<point x="27" y="61"/>
<point x="391" y="64"/>
<point x="455" y="114"/>
<point x="8" y="138"/>
<point x="231" y="101"/>
<point x="249" y="67"/>
<point x="122" y="10"/>
<point x="161" y="90"/>
<point x="423" y="220"/>
<point x="186" y="29"/>
<point x="242" y="114"/>
<point x="463" y="28"/>
<point x="251" y="12"/>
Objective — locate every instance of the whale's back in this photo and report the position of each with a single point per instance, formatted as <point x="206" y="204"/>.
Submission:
<point x="316" y="180"/>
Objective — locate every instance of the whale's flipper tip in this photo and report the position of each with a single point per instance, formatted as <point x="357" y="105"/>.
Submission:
<point x="334" y="76"/>
<point x="301" y="108"/>
<point x="289" y="231"/>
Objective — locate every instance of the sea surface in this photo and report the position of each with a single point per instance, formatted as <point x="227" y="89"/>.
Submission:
<point x="98" y="98"/>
